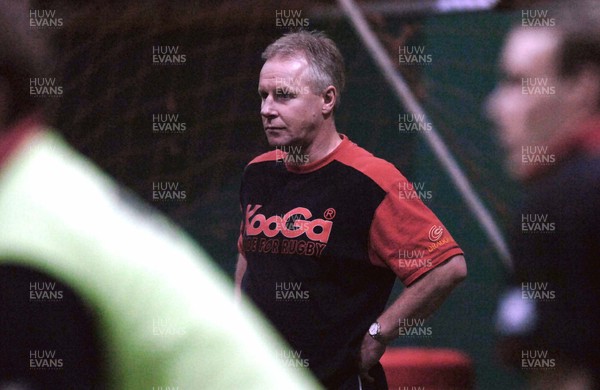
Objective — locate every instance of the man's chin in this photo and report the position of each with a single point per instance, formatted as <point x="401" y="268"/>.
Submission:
<point x="278" y="140"/>
<point x="276" y="143"/>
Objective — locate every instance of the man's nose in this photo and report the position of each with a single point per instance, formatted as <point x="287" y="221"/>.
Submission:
<point x="267" y="108"/>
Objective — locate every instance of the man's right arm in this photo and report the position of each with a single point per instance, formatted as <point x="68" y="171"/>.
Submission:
<point x="240" y="270"/>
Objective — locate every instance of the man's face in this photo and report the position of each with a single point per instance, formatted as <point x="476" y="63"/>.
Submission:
<point x="526" y="105"/>
<point x="291" y="113"/>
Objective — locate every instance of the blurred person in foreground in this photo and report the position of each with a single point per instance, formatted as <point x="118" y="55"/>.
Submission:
<point x="96" y="289"/>
<point x="325" y="233"/>
<point x="547" y="112"/>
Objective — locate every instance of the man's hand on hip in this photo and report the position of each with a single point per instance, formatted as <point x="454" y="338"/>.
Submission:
<point x="371" y="351"/>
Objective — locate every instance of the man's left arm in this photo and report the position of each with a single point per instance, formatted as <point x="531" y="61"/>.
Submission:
<point x="417" y="301"/>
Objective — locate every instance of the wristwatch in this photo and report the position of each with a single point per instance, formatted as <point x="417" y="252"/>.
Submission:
<point x="375" y="332"/>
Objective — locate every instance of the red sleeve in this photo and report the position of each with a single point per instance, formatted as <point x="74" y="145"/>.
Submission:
<point x="406" y="236"/>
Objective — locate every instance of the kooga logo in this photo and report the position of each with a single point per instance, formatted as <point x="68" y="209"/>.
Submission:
<point x="315" y="230"/>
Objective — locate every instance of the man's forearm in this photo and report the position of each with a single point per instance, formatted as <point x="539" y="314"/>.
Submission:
<point x="240" y="270"/>
<point x="423" y="297"/>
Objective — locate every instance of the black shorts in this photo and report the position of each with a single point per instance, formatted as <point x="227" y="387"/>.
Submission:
<point x="357" y="383"/>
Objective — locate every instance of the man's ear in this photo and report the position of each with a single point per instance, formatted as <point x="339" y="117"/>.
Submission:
<point x="329" y="99"/>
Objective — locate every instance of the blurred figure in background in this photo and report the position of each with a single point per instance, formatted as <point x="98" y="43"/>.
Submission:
<point x="547" y="112"/>
<point x="96" y="289"/>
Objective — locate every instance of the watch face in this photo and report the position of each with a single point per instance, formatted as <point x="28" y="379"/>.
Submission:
<point x="374" y="329"/>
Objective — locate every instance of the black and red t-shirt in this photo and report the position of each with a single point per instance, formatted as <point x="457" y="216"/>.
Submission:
<point x="324" y="243"/>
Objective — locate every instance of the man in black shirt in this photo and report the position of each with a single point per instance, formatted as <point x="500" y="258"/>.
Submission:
<point x="325" y="232"/>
